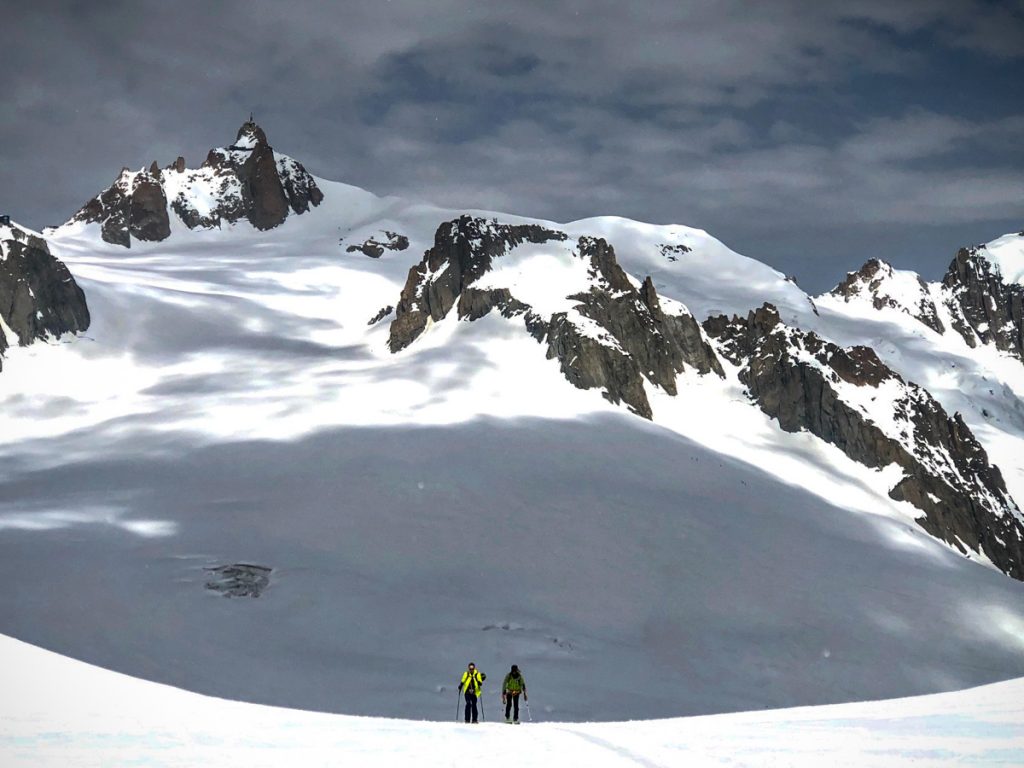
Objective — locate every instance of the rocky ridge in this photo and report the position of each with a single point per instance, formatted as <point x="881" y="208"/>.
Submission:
<point x="246" y="180"/>
<point x="39" y="298"/>
<point x="849" y="398"/>
<point x="882" y="286"/>
<point x="374" y="247"/>
<point x="614" y="336"/>
<point x="985" y="307"/>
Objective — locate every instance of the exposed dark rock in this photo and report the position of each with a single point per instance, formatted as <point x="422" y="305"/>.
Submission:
<point x="673" y="252"/>
<point x="642" y="341"/>
<point x="384" y="312"/>
<point x="870" y="280"/>
<point x="590" y="363"/>
<point x="632" y="339"/>
<point x="796" y="377"/>
<point x="38" y="295"/>
<point x="299" y="186"/>
<point x="147" y="212"/>
<point x="983" y="307"/>
<point x="464" y="249"/>
<point x="374" y="248"/>
<point x="262" y="189"/>
<point x="247" y="179"/>
<point x="239" y="580"/>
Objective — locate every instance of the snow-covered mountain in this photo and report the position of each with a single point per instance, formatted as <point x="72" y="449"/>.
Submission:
<point x="655" y="472"/>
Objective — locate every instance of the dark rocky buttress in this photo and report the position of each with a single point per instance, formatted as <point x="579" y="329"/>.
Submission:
<point x="462" y="253"/>
<point x="798" y="378"/>
<point x="636" y="341"/>
<point x="38" y="296"/>
<point x="983" y="307"/>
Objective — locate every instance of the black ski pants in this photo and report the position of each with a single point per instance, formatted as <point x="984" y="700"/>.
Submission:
<point x="471" y="706"/>
<point x="512" y="705"/>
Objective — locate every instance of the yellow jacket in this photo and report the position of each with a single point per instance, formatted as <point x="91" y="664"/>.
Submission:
<point x="472" y="681"/>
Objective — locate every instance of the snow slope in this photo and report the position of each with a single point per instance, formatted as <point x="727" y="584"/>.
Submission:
<point x="58" y="712"/>
<point x="459" y="499"/>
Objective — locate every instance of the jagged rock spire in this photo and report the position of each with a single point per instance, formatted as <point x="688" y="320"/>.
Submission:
<point x="250" y="136"/>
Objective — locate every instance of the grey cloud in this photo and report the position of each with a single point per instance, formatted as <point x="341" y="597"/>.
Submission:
<point x="763" y="123"/>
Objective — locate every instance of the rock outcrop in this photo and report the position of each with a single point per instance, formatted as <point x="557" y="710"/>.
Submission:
<point x="133" y="206"/>
<point x="38" y="296"/>
<point x="849" y="398"/>
<point x="636" y="339"/>
<point x="882" y="286"/>
<point x="984" y="308"/>
<point x="239" y="579"/>
<point x="462" y="253"/>
<point x="246" y="180"/>
<point x="374" y="247"/>
<point x="613" y="336"/>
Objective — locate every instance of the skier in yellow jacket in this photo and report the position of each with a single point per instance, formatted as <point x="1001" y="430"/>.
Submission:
<point x="471" y="686"/>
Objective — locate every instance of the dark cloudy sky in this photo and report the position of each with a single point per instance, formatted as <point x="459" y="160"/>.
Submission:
<point x="810" y="135"/>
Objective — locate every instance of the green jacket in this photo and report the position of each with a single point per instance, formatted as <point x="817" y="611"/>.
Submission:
<point x="472" y="681"/>
<point x="513" y="684"/>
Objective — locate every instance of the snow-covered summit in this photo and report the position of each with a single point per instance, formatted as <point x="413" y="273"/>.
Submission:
<point x="879" y="285"/>
<point x="1006" y="255"/>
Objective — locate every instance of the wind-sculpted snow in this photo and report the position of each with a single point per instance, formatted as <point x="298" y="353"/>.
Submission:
<point x="851" y="399"/>
<point x="246" y="180"/>
<point x="39" y="299"/>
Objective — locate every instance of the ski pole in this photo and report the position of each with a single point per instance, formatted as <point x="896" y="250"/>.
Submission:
<point x="529" y="714"/>
<point x="482" y="718"/>
<point x="458" y="702"/>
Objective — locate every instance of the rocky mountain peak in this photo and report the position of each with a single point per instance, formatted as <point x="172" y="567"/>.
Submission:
<point x="250" y="136"/>
<point x="879" y="284"/>
<point x="246" y="180"/>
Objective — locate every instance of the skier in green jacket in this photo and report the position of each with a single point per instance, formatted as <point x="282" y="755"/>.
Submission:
<point x="513" y="685"/>
<point x="470" y="686"/>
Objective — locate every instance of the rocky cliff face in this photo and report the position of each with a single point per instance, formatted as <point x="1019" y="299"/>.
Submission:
<point x="613" y="336"/>
<point x="133" y="206"/>
<point x="984" y="307"/>
<point x="246" y="180"/>
<point x="462" y="253"/>
<point x="849" y="398"/>
<point x="878" y="284"/>
<point x="38" y="296"/>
